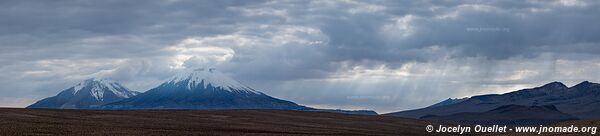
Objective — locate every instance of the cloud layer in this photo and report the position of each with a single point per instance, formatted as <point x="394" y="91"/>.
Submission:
<point x="382" y="55"/>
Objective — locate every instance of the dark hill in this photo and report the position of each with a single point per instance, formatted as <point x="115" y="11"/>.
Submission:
<point x="581" y="101"/>
<point x="508" y="115"/>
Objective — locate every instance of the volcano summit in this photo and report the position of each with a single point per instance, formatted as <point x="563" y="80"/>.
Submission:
<point x="203" y="89"/>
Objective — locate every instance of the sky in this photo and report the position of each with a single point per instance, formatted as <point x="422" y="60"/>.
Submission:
<point x="379" y="55"/>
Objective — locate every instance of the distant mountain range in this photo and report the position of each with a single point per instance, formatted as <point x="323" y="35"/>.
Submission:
<point x="211" y="89"/>
<point x="581" y="101"/>
<point x="193" y="89"/>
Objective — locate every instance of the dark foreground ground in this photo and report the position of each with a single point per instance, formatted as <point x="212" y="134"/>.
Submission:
<point x="218" y="122"/>
<point x="201" y="122"/>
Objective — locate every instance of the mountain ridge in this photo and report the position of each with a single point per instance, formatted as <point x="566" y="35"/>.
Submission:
<point x="579" y="100"/>
<point x="508" y="115"/>
<point x="449" y="101"/>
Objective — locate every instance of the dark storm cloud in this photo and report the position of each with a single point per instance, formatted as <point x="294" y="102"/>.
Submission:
<point x="78" y="29"/>
<point x="370" y="54"/>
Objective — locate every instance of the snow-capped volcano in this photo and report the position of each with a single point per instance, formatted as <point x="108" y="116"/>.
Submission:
<point x="203" y="78"/>
<point x="191" y="89"/>
<point x="89" y="93"/>
<point x="98" y="87"/>
<point x="203" y="89"/>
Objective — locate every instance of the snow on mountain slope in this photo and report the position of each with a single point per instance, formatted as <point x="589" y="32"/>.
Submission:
<point x="202" y="77"/>
<point x="98" y="86"/>
<point x="90" y="92"/>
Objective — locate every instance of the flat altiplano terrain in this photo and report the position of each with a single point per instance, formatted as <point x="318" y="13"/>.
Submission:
<point x="14" y="121"/>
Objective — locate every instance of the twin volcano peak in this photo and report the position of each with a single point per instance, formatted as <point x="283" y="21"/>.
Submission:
<point x="202" y="78"/>
<point x="190" y="89"/>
